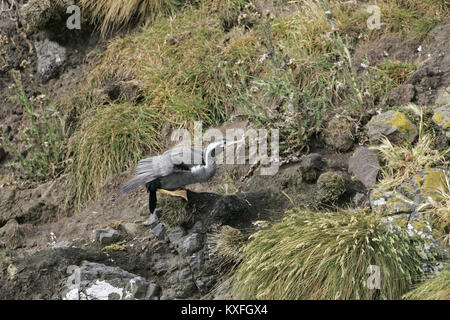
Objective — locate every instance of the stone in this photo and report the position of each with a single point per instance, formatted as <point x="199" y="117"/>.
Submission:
<point x="310" y="167"/>
<point x="159" y="231"/>
<point x="392" y="124"/>
<point x="338" y="134"/>
<point x="107" y="236"/>
<point x="182" y="283"/>
<point x="51" y="57"/>
<point x="441" y="117"/>
<point x="152" y="221"/>
<point x="401" y="95"/>
<point x="129" y="228"/>
<point x="331" y="186"/>
<point x="196" y="261"/>
<point x="359" y="198"/>
<point x="390" y="202"/>
<point x="153" y="291"/>
<point x="365" y="166"/>
<point x="175" y="234"/>
<point x="424" y="186"/>
<point x="191" y="243"/>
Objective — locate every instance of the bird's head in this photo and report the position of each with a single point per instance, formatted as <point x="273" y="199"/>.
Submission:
<point x="215" y="148"/>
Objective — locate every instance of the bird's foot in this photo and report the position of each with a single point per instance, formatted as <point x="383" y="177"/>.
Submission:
<point x="177" y="193"/>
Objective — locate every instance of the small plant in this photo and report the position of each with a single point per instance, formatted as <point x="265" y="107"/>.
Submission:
<point x="118" y="246"/>
<point x="44" y="138"/>
<point x="226" y="244"/>
<point x="326" y="256"/>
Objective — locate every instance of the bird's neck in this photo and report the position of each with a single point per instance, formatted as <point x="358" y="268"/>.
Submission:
<point x="210" y="165"/>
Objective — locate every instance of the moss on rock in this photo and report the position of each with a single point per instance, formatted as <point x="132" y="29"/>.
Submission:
<point x="394" y="125"/>
<point x="331" y="186"/>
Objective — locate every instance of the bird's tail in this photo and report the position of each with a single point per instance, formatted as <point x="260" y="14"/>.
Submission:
<point x="134" y="183"/>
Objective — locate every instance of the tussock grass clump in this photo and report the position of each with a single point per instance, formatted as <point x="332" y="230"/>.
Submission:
<point x="437" y="288"/>
<point x="226" y="244"/>
<point x="110" y="141"/>
<point x="326" y="256"/>
<point x="113" y="15"/>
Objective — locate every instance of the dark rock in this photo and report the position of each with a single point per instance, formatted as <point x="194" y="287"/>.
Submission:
<point x="401" y="95"/>
<point x="175" y="234"/>
<point x="159" y="230"/>
<point x="364" y="165"/>
<point x="107" y="236"/>
<point x="152" y="221"/>
<point x="153" y="291"/>
<point x="310" y="167"/>
<point x="182" y="283"/>
<point x="191" y="243"/>
<point x="196" y="261"/>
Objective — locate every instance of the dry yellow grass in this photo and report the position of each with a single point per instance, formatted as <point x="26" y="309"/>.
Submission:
<point x="113" y="15"/>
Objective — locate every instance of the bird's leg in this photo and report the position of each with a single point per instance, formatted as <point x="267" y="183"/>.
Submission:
<point x="152" y="201"/>
<point x="177" y="193"/>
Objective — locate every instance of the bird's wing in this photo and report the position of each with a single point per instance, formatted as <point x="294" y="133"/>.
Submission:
<point x="147" y="170"/>
<point x="184" y="158"/>
<point x="180" y="159"/>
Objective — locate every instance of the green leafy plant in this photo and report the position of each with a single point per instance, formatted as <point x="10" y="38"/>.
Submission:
<point x="44" y="138"/>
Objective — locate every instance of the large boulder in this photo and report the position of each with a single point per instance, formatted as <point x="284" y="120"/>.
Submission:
<point x="96" y="281"/>
<point x="390" y="202"/>
<point x="392" y="124"/>
<point x="424" y="186"/>
<point x="365" y="166"/>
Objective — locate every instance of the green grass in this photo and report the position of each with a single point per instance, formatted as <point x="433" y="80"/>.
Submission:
<point x="437" y="288"/>
<point x="326" y="256"/>
<point x="109" y="141"/>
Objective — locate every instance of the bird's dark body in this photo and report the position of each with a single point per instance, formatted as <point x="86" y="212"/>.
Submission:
<point x="170" y="171"/>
